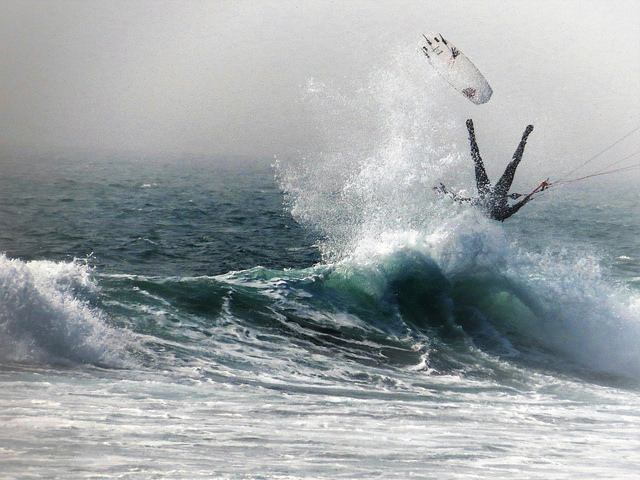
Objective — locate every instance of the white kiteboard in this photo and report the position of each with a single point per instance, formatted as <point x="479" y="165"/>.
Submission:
<point x="456" y="68"/>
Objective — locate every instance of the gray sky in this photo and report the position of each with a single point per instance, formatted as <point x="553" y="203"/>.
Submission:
<point x="228" y="77"/>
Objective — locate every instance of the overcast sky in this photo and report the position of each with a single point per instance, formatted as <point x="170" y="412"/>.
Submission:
<point x="228" y="77"/>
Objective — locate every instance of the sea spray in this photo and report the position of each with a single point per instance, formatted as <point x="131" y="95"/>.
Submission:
<point x="384" y="145"/>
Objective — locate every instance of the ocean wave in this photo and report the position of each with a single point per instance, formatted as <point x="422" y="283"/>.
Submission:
<point x="464" y="299"/>
<point x="46" y="316"/>
<point x="461" y="303"/>
<point x="461" y="296"/>
<point x="555" y="306"/>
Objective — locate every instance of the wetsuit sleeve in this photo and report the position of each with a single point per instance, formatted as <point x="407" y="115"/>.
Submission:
<point x="508" y="211"/>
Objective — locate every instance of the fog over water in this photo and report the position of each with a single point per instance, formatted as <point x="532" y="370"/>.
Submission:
<point x="229" y="77"/>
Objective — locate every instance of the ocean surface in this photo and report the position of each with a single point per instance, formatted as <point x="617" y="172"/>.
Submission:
<point x="197" y="318"/>
<point x="319" y="314"/>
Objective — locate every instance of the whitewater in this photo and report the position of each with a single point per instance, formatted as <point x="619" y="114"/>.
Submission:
<point x="320" y="314"/>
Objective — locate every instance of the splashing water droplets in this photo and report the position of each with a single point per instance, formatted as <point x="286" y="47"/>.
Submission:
<point x="385" y="147"/>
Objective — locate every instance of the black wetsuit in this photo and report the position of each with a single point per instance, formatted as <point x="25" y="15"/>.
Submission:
<point x="493" y="199"/>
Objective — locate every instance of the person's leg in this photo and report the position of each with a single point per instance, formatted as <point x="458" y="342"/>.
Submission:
<point x="482" y="180"/>
<point x="504" y="184"/>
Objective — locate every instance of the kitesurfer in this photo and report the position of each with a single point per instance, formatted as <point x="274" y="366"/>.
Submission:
<point x="494" y="199"/>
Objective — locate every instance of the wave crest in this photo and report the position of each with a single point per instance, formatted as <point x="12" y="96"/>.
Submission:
<point x="45" y="316"/>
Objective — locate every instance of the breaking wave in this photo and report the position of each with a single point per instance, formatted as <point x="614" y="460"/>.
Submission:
<point x="368" y="194"/>
<point x="46" y="316"/>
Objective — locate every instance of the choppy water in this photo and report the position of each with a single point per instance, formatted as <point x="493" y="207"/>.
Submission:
<point x="327" y="317"/>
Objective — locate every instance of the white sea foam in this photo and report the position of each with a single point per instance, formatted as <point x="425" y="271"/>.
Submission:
<point x="45" y="315"/>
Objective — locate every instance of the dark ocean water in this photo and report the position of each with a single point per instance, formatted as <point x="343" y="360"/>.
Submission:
<point x="177" y="216"/>
<point x="172" y="319"/>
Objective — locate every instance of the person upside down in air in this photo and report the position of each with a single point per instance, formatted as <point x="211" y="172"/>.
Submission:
<point x="494" y="199"/>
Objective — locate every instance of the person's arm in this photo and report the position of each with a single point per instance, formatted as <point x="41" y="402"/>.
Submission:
<point x="508" y="211"/>
<point x="454" y="196"/>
